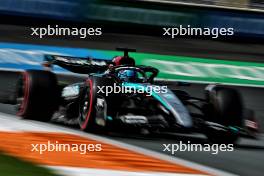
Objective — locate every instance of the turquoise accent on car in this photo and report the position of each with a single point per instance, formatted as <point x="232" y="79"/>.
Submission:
<point x="234" y="129"/>
<point x="109" y="118"/>
<point x="153" y="94"/>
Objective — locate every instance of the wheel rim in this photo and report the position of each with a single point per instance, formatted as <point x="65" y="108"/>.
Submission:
<point x="86" y="108"/>
<point x="101" y="111"/>
<point x="22" y="94"/>
<point x="86" y="105"/>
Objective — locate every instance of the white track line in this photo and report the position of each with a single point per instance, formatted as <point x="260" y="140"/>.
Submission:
<point x="74" y="171"/>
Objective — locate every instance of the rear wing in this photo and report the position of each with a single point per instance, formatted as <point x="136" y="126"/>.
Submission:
<point x="77" y="64"/>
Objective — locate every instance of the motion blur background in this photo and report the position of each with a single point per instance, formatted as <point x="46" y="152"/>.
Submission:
<point x="138" y="24"/>
<point x="245" y="16"/>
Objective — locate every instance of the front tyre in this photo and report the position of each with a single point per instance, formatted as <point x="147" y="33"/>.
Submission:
<point x="226" y="109"/>
<point x="93" y="108"/>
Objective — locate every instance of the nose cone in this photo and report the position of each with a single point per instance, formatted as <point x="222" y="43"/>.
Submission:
<point x="179" y="111"/>
<point x="185" y="119"/>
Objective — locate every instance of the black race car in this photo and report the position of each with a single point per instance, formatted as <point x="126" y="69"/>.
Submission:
<point x="138" y="103"/>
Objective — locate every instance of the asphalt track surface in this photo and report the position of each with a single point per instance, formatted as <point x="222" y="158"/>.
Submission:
<point x="248" y="157"/>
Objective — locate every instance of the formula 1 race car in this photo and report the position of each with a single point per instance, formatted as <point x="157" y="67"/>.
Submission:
<point x="123" y="96"/>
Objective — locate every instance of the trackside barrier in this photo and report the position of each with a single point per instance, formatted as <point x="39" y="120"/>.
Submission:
<point x="171" y="67"/>
<point x="142" y="14"/>
<point x="56" y="9"/>
<point x="245" y="23"/>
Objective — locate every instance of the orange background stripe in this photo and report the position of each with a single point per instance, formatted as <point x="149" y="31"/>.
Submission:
<point x="111" y="157"/>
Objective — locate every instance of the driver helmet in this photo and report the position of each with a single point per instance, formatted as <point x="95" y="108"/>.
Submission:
<point x="123" y="60"/>
<point x="127" y="75"/>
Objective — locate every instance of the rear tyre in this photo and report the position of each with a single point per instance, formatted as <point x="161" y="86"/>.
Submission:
<point x="225" y="108"/>
<point x="37" y="95"/>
